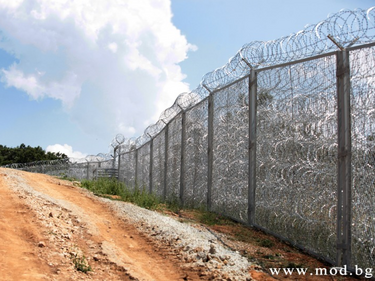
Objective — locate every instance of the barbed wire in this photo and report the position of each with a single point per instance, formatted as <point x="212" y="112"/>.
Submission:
<point x="347" y="28"/>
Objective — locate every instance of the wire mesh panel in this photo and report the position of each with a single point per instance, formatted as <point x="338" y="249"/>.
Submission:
<point x="143" y="173"/>
<point x="92" y="166"/>
<point x="158" y="164"/>
<point x="127" y="168"/>
<point x="106" y="164"/>
<point x="78" y="171"/>
<point x="59" y="167"/>
<point x="230" y="153"/>
<point x="297" y="154"/>
<point x="53" y="170"/>
<point x="363" y="156"/>
<point x="196" y="155"/>
<point x="174" y="158"/>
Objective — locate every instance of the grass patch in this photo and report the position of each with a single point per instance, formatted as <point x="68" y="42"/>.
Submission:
<point x="210" y="218"/>
<point x="111" y="186"/>
<point x="241" y="233"/>
<point x="173" y="204"/>
<point x="266" y="243"/>
<point x="108" y="186"/>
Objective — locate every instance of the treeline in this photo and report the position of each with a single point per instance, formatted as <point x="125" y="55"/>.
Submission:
<point x="26" y="154"/>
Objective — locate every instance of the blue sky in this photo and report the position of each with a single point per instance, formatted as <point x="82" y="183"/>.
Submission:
<point x="73" y="74"/>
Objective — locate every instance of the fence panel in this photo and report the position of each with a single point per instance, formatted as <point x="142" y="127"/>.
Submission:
<point x="143" y="166"/>
<point x="158" y="164"/>
<point x="297" y="154"/>
<point x="91" y="169"/>
<point x="78" y="171"/>
<point x="196" y="155"/>
<point x="363" y="156"/>
<point x="230" y="151"/>
<point x="127" y="168"/>
<point x="53" y="170"/>
<point x="174" y="158"/>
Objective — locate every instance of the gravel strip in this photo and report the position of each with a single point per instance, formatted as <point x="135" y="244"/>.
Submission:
<point x="196" y="245"/>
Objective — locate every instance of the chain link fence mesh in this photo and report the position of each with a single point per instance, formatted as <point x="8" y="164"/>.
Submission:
<point x="174" y="159"/>
<point x="297" y="152"/>
<point x="230" y="154"/>
<point x="363" y="155"/>
<point x="158" y="174"/>
<point x="143" y="167"/>
<point x="196" y="155"/>
<point x="127" y="168"/>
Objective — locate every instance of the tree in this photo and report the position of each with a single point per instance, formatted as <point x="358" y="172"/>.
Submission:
<point x="26" y="154"/>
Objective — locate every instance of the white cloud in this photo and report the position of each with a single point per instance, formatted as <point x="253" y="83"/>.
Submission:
<point x="33" y="86"/>
<point x="66" y="149"/>
<point x="113" y="47"/>
<point x="112" y="64"/>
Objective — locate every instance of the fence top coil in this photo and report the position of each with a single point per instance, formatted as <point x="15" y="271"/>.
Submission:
<point x="347" y="28"/>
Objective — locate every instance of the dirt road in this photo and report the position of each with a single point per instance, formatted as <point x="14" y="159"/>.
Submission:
<point x="61" y="230"/>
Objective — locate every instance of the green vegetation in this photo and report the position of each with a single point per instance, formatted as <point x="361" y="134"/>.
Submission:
<point x="81" y="264"/>
<point x="266" y="243"/>
<point x="211" y="218"/>
<point x="112" y="188"/>
<point x="173" y="204"/>
<point x="26" y="154"/>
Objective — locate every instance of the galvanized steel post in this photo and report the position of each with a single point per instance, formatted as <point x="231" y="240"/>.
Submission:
<point x="210" y="152"/>
<point x="166" y="161"/>
<point x="151" y="164"/>
<point x="344" y="178"/>
<point x="252" y="145"/>
<point x="119" y="164"/>
<point x="136" y="168"/>
<point x="88" y="170"/>
<point x="182" y="167"/>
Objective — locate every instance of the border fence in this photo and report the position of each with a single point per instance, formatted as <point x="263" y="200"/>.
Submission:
<point x="281" y="138"/>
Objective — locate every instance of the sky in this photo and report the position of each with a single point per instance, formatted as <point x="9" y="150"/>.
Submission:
<point x="74" y="74"/>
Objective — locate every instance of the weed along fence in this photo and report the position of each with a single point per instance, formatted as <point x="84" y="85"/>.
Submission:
<point x="281" y="138"/>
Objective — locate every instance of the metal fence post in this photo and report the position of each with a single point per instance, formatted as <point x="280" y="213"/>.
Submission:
<point x="252" y="145"/>
<point x="114" y="157"/>
<point x="136" y="168"/>
<point x="344" y="182"/>
<point x="166" y="142"/>
<point x="119" y="165"/>
<point x="88" y="170"/>
<point x="182" y="167"/>
<point x="210" y="139"/>
<point x="151" y="164"/>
